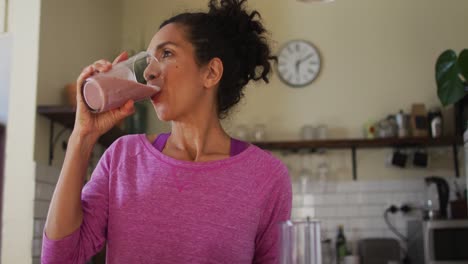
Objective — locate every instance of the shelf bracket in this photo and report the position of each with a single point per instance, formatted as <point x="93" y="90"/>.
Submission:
<point x="353" y="155"/>
<point x="455" y="160"/>
<point x="51" y="142"/>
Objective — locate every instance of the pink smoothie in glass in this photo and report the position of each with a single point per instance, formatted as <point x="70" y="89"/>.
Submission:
<point x="104" y="92"/>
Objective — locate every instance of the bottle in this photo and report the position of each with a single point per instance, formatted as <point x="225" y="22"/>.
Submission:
<point x="435" y="122"/>
<point x="341" y="250"/>
<point x="402" y="124"/>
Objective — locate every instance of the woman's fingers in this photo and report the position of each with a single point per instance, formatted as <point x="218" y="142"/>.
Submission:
<point x="99" y="66"/>
<point x="102" y="66"/>
<point x="86" y="73"/>
<point x="119" y="113"/>
<point x="125" y="110"/>
<point x="122" y="57"/>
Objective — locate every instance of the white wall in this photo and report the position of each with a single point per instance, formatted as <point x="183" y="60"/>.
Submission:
<point x="5" y="60"/>
<point x="3" y="12"/>
<point x="17" y="229"/>
<point x="378" y="57"/>
<point x="53" y="41"/>
<point x="5" y="56"/>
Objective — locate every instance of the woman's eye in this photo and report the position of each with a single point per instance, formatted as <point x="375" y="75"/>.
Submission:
<point x="166" y="54"/>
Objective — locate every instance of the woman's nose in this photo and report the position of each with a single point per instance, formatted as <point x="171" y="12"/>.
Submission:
<point x="151" y="73"/>
<point x="151" y="77"/>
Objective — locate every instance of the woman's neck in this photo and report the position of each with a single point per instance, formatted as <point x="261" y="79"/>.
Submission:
<point x="199" y="139"/>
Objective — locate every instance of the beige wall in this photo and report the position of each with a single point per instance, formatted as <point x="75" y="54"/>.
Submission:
<point x="74" y="34"/>
<point x="378" y="57"/>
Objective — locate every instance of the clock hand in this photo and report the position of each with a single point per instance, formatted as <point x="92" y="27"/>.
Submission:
<point x="304" y="59"/>
<point x="297" y="66"/>
<point x="298" y="63"/>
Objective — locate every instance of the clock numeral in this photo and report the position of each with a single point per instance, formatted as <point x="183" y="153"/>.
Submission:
<point x="311" y="71"/>
<point x="313" y="62"/>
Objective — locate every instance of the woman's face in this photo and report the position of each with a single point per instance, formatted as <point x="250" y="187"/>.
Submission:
<point x="177" y="74"/>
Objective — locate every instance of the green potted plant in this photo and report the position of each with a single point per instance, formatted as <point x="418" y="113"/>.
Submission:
<point x="452" y="84"/>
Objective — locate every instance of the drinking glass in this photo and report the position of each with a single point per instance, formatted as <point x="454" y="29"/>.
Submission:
<point x="126" y="80"/>
<point x="259" y="132"/>
<point x="305" y="175"/>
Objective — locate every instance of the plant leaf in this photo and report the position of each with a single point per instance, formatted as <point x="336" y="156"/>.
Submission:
<point x="463" y="63"/>
<point x="450" y="88"/>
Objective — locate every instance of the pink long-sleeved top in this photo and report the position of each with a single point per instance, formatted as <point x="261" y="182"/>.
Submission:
<point x="151" y="208"/>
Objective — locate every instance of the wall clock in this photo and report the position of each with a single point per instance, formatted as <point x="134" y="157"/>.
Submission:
<point x="298" y="63"/>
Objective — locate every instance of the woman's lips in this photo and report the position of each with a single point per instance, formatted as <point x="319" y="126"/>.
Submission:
<point x="155" y="97"/>
<point x="158" y="88"/>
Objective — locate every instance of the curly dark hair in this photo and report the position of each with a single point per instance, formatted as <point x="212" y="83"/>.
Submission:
<point x="234" y="35"/>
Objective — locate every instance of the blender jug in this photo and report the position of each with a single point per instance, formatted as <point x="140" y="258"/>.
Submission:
<point x="300" y="242"/>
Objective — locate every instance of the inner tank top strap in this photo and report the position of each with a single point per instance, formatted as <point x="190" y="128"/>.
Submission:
<point x="237" y="146"/>
<point x="160" y="142"/>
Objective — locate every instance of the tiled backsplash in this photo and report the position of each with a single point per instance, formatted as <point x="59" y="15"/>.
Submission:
<point x="46" y="179"/>
<point x="360" y="205"/>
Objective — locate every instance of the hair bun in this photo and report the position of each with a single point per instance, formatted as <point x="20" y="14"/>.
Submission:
<point x="233" y="11"/>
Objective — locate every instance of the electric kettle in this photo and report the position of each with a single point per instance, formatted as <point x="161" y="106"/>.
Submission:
<point x="436" y="201"/>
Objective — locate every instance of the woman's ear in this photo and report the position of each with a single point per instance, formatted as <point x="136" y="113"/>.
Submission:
<point x="213" y="73"/>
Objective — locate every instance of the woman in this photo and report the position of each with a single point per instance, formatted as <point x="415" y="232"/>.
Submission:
<point x="195" y="195"/>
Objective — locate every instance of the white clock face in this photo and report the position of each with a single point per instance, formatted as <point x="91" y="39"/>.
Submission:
<point x="298" y="63"/>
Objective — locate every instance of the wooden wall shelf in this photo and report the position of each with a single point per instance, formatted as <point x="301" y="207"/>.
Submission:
<point x="65" y="115"/>
<point x="354" y="144"/>
<point x="359" y="143"/>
